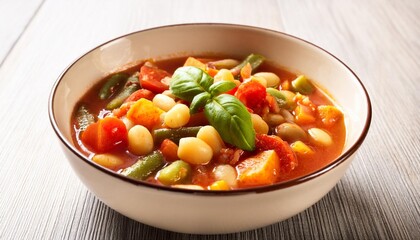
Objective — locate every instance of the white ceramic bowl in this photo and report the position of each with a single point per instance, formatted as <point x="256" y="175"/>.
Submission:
<point x="207" y="212"/>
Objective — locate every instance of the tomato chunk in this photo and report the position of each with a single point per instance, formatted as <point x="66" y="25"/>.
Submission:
<point x="288" y="160"/>
<point x="105" y="135"/>
<point x="252" y="94"/>
<point x="151" y="78"/>
<point x="141" y="93"/>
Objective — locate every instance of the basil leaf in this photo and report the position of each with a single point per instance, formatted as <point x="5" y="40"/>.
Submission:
<point x="199" y="101"/>
<point x="232" y="120"/>
<point x="221" y="87"/>
<point x="187" y="82"/>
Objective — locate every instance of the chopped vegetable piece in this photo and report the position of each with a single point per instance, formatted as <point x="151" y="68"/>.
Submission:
<point x="304" y="115"/>
<point x="252" y="94"/>
<point x="329" y="114"/>
<point x="105" y="135"/>
<point x="301" y="149"/>
<point x="84" y="117"/>
<point x="288" y="160"/>
<point x="145" y="113"/>
<point x="174" y="134"/>
<point x="261" y="169"/>
<point x="112" y="85"/>
<point x="195" y="63"/>
<point x="141" y="93"/>
<point x="246" y="71"/>
<point x="151" y="78"/>
<point x="176" y="173"/>
<point x="303" y="85"/>
<point x="220" y="185"/>
<point x="254" y="59"/>
<point x="169" y="150"/>
<point x="145" y="166"/>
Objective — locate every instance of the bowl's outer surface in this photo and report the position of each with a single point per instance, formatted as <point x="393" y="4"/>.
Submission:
<point x="194" y="212"/>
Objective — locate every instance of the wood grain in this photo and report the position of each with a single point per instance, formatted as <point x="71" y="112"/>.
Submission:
<point x="378" y="198"/>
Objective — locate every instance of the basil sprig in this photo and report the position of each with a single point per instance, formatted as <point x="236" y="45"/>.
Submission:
<point x="223" y="111"/>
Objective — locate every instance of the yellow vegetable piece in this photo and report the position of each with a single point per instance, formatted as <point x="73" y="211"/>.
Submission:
<point x="301" y="148"/>
<point x="261" y="169"/>
<point x="145" y="113"/>
<point x="329" y="114"/>
<point x="195" y="63"/>
<point x="219" y="185"/>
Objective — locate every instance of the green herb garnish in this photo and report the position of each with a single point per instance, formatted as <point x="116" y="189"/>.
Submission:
<point x="223" y="111"/>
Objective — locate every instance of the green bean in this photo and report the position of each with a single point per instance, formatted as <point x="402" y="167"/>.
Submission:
<point x="130" y="86"/>
<point x="145" y="166"/>
<point x="118" y="100"/>
<point x="174" y="134"/>
<point x="84" y="117"/>
<point x="176" y="173"/>
<point x="112" y="85"/>
<point x="254" y="59"/>
<point x="303" y="85"/>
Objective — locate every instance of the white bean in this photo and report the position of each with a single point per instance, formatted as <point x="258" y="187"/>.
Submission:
<point x="177" y="116"/>
<point x="210" y="135"/>
<point x="227" y="173"/>
<point x="163" y="102"/>
<point x="140" y="140"/>
<point x="260" y="126"/>
<point x="260" y="80"/>
<point x="128" y="123"/>
<point x="108" y="160"/>
<point x="272" y="79"/>
<point x="194" y="151"/>
<point x="320" y="137"/>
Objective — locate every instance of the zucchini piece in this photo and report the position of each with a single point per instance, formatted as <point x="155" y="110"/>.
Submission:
<point x="303" y="85"/>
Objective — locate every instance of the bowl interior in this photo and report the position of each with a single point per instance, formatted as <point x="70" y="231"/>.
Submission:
<point x="289" y="52"/>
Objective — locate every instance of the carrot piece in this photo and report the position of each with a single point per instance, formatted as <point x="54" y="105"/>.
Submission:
<point x="144" y="112"/>
<point x="261" y="169"/>
<point x="122" y="111"/>
<point x="304" y="115"/>
<point x="195" y="63"/>
<point x="212" y="72"/>
<point x="246" y="71"/>
<point x="151" y="78"/>
<point x="169" y="150"/>
<point x="329" y="114"/>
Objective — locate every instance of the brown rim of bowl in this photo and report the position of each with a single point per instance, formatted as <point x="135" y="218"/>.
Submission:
<point x="261" y="189"/>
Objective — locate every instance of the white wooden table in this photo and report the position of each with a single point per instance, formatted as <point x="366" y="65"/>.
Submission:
<point x="379" y="197"/>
